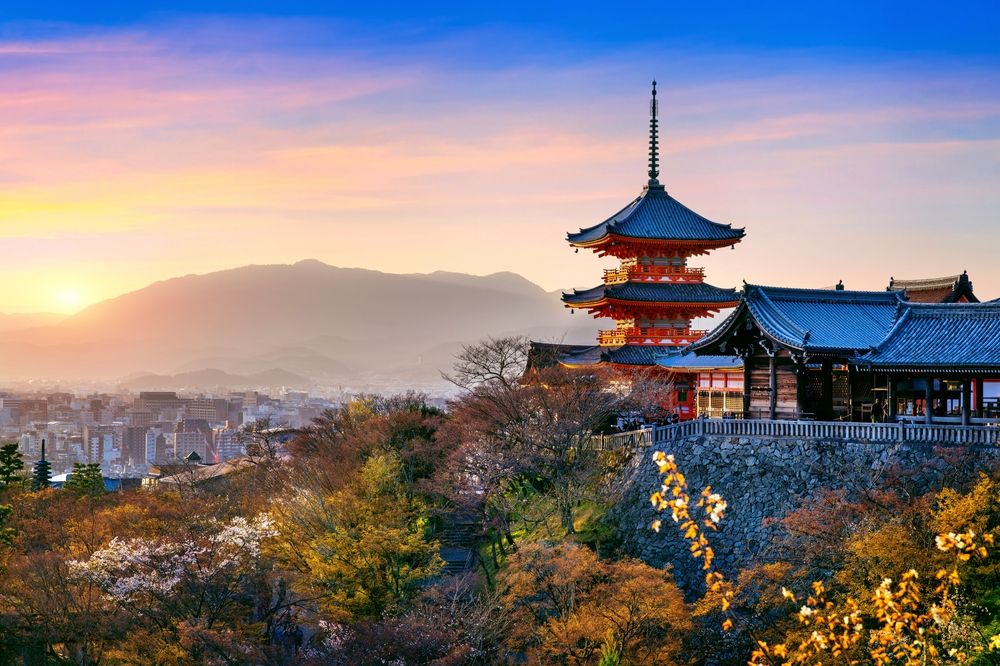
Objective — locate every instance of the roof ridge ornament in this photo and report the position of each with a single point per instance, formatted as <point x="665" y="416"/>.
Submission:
<point x="654" y="146"/>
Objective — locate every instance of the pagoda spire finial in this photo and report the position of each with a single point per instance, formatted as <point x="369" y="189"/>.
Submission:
<point x="654" y="146"/>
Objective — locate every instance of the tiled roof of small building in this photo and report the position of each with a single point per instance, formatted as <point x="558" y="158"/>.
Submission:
<point x="817" y="320"/>
<point x="683" y="360"/>
<point x="654" y="292"/>
<point x="655" y="215"/>
<point x="581" y="356"/>
<point x="632" y="354"/>
<point x="948" y="289"/>
<point x="961" y="335"/>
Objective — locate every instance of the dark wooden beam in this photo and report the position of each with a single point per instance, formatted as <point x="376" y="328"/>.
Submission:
<point x="928" y="394"/>
<point x="747" y="373"/>
<point x="966" y="399"/>
<point x="979" y="398"/>
<point x="772" y="383"/>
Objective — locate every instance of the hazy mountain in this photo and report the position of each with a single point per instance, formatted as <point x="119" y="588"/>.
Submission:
<point x="214" y="378"/>
<point x="15" y="321"/>
<point x="317" y="322"/>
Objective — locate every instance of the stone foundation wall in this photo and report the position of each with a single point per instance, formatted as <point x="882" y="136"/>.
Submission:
<point x="766" y="478"/>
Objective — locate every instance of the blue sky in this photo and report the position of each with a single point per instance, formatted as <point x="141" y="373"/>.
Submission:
<point x="854" y="141"/>
<point x="901" y="27"/>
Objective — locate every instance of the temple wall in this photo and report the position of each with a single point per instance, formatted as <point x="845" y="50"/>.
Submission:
<point x="764" y="478"/>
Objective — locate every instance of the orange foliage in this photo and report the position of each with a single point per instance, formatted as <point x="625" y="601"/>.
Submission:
<point x="570" y="607"/>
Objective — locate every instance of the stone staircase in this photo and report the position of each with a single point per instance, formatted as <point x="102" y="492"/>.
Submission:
<point x="459" y="537"/>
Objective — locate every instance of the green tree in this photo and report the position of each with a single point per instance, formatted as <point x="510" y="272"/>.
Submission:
<point x="86" y="480"/>
<point x="365" y="549"/>
<point x="11" y="464"/>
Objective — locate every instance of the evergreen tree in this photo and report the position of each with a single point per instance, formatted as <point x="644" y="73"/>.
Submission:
<point x="11" y="464"/>
<point x="86" y="480"/>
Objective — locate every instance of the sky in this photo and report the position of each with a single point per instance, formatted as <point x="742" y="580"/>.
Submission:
<point x="142" y="141"/>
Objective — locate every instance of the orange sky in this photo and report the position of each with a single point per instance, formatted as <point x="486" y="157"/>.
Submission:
<point x="133" y="155"/>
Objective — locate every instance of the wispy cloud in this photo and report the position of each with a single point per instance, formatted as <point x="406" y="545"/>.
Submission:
<point x="203" y="144"/>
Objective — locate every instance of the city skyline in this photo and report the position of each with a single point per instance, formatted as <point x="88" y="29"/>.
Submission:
<point x="144" y="145"/>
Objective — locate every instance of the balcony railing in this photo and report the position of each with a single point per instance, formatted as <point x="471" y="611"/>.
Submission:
<point x="929" y="435"/>
<point x="667" y="337"/>
<point x="649" y="273"/>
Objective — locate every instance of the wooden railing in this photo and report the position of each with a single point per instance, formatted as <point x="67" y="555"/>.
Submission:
<point x="982" y="435"/>
<point x="647" y="273"/>
<point x="668" y="337"/>
<point x="623" y="440"/>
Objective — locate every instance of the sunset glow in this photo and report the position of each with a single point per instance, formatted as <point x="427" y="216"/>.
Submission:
<point x="160" y="146"/>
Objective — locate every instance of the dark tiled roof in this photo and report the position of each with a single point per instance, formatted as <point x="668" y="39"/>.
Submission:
<point x="657" y="215"/>
<point x="544" y="354"/>
<point x="965" y="335"/>
<point x="683" y="359"/>
<point x="632" y="354"/>
<point x="816" y="320"/>
<point x="948" y="289"/>
<point x="654" y="292"/>
<point x="547" y="354"/>
<point x="824" y="320"/>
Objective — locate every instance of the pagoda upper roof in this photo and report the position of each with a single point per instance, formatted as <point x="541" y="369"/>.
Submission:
<point x="655" y="215"/>
<point x="813" y="320"/>
<point x="654" y="292"/>
<point x="962" y="336"/>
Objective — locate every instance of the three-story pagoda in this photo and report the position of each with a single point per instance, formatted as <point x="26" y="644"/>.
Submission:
<point x="654" y="294"/>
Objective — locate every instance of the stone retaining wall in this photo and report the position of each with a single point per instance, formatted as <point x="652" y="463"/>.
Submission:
<point x="764" y="478"/>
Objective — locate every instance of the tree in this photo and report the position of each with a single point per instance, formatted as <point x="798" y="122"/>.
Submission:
<point x="571" y="607"/>
<point x="538" y="425"/>
<point x="86" y="480"/>
<point x="364" y="549"/>
<point x="11" y="464"/>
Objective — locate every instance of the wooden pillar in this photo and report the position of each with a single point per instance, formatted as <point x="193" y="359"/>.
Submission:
<point x="827" y="390"/>
<point x="891" y="407"/>
<point x="979" y="398"/>
<point x="800" y="387"/>
<point x="928" y="394"/>
<point x="966" y="399"/>
<point x="772" y="383"/>
<point x="747" y="373"/>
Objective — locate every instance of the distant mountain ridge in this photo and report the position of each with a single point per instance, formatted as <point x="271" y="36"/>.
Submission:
<point x="321" y="323"/>
<point x="22" y="320"/>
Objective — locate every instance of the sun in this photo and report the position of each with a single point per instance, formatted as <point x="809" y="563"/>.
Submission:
<point x="69" y="299"/>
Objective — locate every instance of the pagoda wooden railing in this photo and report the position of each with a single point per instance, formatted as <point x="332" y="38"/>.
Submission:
<point x="650" y="273"/>
<point x="667" y="337"/>
<point x="891" y="433"/>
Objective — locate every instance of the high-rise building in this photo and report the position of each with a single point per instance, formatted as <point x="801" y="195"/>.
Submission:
<point x="182" y="444"/>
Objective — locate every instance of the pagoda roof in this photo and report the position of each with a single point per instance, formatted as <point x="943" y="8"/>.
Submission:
<point x="960" y="336"/>
<point x="813" y="320"/>
<point x="948" y="289"/>
<point x="653" y="292"/>
<point x="655" y="215"/>
<point x="683" y="360"/>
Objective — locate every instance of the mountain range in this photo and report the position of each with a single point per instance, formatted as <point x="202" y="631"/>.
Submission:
<point x="306" y="323"/>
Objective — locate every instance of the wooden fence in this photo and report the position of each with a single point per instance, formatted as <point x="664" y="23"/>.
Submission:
<point x="984" y="435"/>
